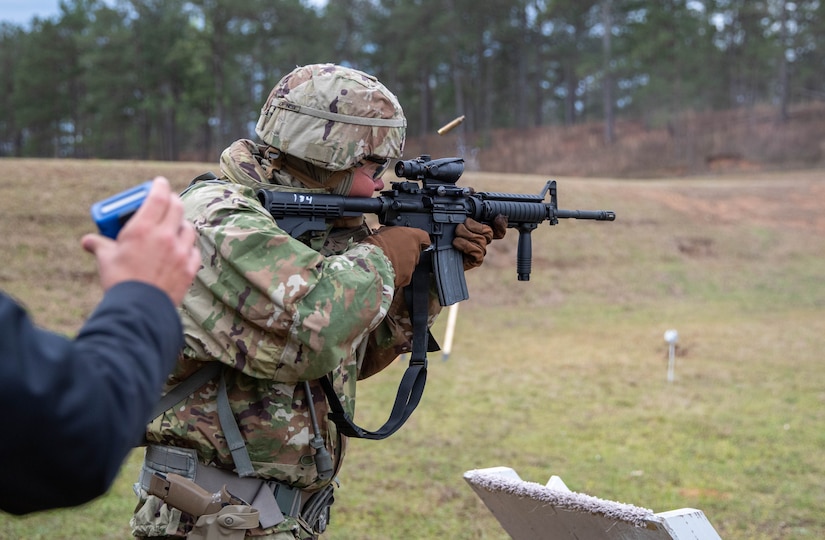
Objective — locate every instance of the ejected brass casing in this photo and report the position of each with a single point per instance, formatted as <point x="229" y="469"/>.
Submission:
<point x="447" y="127"/>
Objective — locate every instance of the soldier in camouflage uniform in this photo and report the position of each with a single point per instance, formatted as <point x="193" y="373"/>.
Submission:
<point x="278" y="313"/>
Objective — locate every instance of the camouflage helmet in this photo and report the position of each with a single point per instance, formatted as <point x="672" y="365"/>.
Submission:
<point x="332" y="117"/>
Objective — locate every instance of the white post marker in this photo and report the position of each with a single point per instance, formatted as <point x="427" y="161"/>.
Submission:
<point x="671" y="337"/>
<point x="450" y="331"/>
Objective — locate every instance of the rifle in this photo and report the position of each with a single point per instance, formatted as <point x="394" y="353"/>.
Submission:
<point x="428" y="200"/>
<point x="437" y="206"/>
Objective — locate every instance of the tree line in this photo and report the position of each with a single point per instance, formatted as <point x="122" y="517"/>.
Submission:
<point x="180" y="79"/>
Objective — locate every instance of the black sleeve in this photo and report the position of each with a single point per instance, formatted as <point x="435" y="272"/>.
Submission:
<point x="73" y="409"/>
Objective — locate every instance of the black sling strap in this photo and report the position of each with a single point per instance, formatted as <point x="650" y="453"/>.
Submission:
<point x="410" y="389"/>
<point x="415" y="376"/>
<point x="229" y="424"/>
<point x="204" y="374"/>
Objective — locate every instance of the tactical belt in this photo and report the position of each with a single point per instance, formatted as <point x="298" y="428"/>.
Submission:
<point x="272" y="499"/>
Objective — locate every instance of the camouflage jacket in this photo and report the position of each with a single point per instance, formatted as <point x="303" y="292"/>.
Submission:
<point x="278" y="312"/>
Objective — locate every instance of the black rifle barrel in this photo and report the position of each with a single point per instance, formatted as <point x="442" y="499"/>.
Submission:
<point x="598" y="215"/>
<point x="535" y="212"/>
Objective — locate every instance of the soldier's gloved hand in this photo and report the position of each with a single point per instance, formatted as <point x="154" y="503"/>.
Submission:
<point x="472" y="238"/>
<point x="402" y="246"/>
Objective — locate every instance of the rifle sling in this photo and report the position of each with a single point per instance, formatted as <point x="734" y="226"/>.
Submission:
<point x="412" y="383"/>
<point x="410" y="389"/>
<point x="204" y="374"/>
<point x="229" y="424"/>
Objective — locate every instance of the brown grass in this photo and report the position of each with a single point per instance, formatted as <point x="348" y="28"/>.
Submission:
<point x="563" y="374"/>
<point x="44" y="211"/>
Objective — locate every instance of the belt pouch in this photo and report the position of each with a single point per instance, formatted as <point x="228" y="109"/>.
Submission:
<point x="231" y="523"/>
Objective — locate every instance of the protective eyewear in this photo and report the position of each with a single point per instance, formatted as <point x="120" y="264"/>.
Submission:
<point x="383" y="163"/>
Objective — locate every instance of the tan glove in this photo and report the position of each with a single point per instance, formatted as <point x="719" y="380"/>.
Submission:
<point x="472" y="238"/>
<point x="402" y="246"/>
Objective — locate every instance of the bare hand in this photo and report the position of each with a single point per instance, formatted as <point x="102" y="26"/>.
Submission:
<point x="156" y="246"/>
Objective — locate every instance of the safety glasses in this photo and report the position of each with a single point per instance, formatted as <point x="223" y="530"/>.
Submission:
<point x="383" y="163"/>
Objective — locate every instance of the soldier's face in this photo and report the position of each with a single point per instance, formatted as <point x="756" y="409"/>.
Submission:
<point x="367" y="179"/>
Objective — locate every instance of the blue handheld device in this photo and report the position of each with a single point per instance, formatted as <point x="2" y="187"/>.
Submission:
<point x="112" y="213"/>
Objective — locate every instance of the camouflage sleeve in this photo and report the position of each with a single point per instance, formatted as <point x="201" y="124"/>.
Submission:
<point x="394" y="335"/>
<point x="270" y="306"/>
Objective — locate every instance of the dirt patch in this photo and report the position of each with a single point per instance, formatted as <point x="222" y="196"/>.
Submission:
<point x="792" y="200"/>
<point x="696" y="247"/>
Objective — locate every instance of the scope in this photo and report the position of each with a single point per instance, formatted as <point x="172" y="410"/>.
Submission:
<point x="447" y="170"/>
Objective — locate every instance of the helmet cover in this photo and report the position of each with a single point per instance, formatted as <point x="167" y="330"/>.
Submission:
<point x="332" y="117"/>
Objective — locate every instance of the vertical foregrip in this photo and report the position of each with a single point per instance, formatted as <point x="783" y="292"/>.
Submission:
<point x="524" y="216"/>
<point x="524" y="258"/>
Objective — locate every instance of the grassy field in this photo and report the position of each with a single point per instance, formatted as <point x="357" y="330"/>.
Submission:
<point x="562" y="375"/>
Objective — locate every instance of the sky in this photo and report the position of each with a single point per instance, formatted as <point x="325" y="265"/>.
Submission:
<point x="21" y="12"/>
